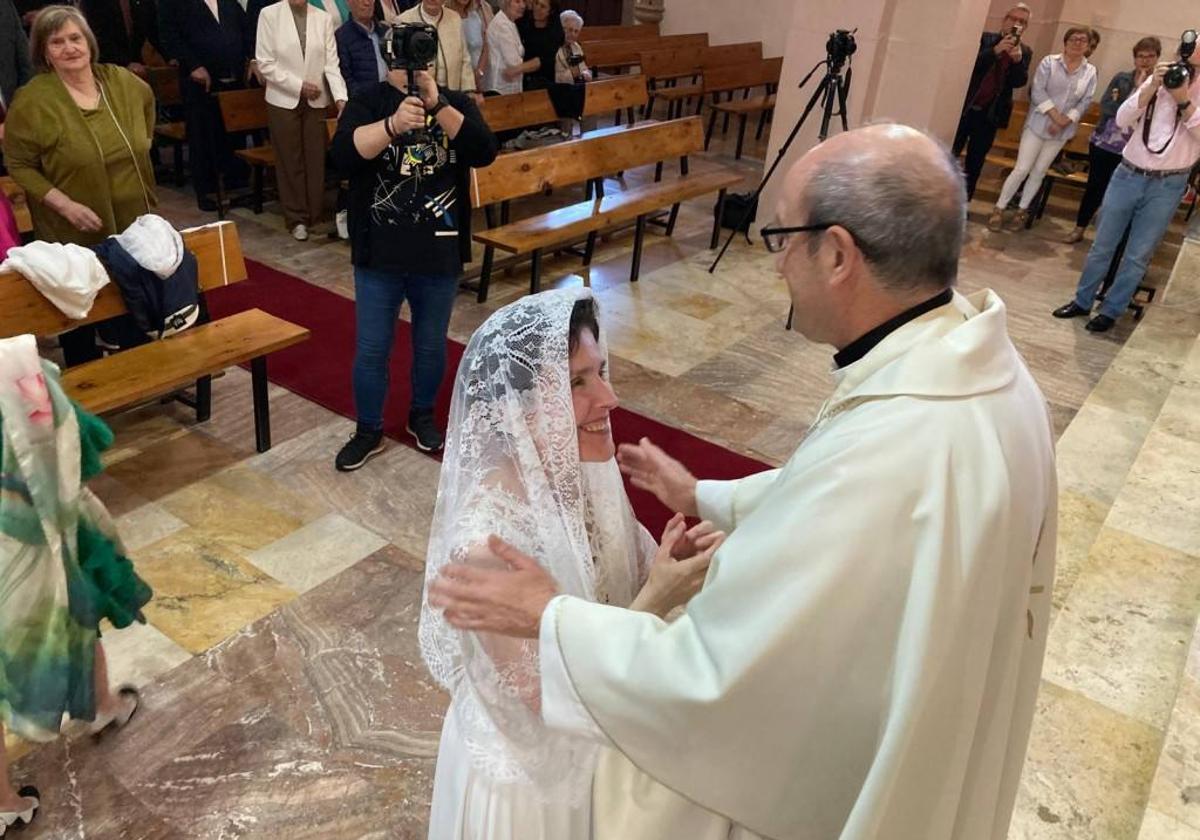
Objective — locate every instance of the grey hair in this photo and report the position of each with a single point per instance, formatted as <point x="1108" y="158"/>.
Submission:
<point x="570" y="15"/>
<point x="907" y="215"/>
<point x="1024" y="7"/>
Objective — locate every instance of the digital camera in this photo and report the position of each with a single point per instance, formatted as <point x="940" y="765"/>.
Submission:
<point x="574" y="60"/>
<point x="1179" y="73"/>
<point x="410" y="46"/>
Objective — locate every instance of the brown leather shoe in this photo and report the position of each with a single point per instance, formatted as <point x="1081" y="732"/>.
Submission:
<point x="995" y="222"/>
<point x="1018" y="221"/>
<point x="1074" y="236"/>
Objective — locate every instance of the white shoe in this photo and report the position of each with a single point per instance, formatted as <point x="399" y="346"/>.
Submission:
<point x="342" y="220"/>
<point x="300" y="233"/>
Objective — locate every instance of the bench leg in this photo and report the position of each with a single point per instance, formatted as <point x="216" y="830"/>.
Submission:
<point x="671" y="219"/>
<point x="683" y="165"/>
<point x="762" y="123"/>
<point x="658" y="169"/>
<point x="258" y="188"/>
<point x="535" y="272"/>
<point x="203" y="398"/>
<point x="589" y="249"/>
<point x="485" y="273"/>
<point x="725" y="122"/>
<point x="629" y="115"/>
<point x="639" y="237"/>
<point x="712" y="123"/>
<point x="617" y="117"/>
<point x="262" y="406"/>
<point x="489" y="216"/>
<point x="504" y="211"/>
<point x="720" y="211"/>
<point x="741" y="137"/>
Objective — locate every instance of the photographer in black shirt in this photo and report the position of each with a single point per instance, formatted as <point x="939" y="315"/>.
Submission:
<point x="408" y="159"/>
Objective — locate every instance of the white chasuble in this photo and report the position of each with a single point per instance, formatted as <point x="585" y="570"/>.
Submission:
<point x="864" y="658"/>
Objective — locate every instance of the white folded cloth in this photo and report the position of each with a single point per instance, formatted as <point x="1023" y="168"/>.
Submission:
<point x="70" y="276"/>
<point x="154" y="243"/>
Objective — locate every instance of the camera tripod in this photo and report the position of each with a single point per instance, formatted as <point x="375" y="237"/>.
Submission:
<point x="831" y="93"/>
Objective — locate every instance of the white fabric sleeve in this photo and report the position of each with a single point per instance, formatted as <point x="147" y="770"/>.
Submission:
<point x="333" y="70"/>
<point x="1038" y="95"/>
<point x="724" y="503"/>
<point x="561" y="707"/>
<point x="1129" y="112"/>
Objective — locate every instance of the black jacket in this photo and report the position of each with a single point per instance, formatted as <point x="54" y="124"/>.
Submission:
<point x="157" y="306"/>
<point x="356" y="57"/>
<point x="192" y="35"/>
<point x="118" y="46"/>
<point x="15" y="69"/>
<point x="1018" y="76"/>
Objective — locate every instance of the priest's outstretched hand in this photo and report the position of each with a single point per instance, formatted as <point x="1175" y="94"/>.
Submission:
<point x="652" y="470"/>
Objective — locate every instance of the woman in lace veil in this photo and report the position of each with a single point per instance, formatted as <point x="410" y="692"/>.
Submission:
<point x="529" y="456"/>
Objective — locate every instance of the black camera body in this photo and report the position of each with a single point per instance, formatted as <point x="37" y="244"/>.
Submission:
<point x="1015" y="32"/>
<point x="1179" y="73"/>
<point x="840" y="46"/>
<point x="574" y="60"/>
<point x="410" y="46"/>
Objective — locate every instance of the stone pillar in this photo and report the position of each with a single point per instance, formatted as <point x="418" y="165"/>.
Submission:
<point x="913" y="65"/>
<point x="648" y="11"/>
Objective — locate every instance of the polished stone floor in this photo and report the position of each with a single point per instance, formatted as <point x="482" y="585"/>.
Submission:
<point x="283" y="692"/>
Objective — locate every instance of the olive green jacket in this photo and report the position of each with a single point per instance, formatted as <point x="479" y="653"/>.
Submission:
<point x="48" y="144"/>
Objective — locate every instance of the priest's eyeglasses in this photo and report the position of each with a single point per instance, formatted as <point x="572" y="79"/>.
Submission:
<point x="776" y="238"/>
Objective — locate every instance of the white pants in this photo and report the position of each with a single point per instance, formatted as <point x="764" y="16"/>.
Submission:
<point x="1034" y="157"/>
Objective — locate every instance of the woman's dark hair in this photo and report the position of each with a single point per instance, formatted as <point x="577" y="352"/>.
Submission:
<point x="1148" y="44"/>
<point x="582" y="316"/>
<point x="1078" y="30"/>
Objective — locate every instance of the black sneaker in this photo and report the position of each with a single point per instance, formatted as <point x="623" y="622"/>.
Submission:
<point x="422" y="427"/>
<point x="360" y="449"/>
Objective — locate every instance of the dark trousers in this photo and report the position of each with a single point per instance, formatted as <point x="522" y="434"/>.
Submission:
<point x="1102" y="165"/>
<point x="977" y="133"/>
<point x="210" y="149"/>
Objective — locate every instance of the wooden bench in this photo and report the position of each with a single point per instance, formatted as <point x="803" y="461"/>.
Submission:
<point x="742" y="77"/>
<point x="724" y="55"/>
<point x="616" y="57"/>
<point x="138" y="375"/>
<point x="637" y="31"/>
<point x="697" y="41"/>
<point x="614" y="95"/>
<point x="164" y="81"/>
<point x="20" y="204"/>
<point x="590" y="159"/>
<point x="666" y="71"/>
<point x="518" y="110"/>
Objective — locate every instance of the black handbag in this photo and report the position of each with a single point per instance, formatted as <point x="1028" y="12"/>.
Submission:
<point x="738" y="211"/>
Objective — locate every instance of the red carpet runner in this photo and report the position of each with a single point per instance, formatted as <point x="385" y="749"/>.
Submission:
<point x="319" y="370"/>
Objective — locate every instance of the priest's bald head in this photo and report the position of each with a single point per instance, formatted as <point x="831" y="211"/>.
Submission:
<point x="886" y="210"/>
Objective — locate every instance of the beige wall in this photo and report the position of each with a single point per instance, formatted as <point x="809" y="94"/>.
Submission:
<point x="733" y="22"/>
<point x="1120" y="24"/>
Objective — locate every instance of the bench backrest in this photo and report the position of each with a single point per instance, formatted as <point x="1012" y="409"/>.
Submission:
<point x="23" y="309"/>
<point x="591" y="34"/>
<point x="727" y="54"/>
<point x="1016" y="123"/>
<point x="576" y="161"/>
<point x="698" y="41"/>
<point x="738" y="77"/>
<point x="617" y="53"/>
<point x="614" y="94"/>
<point x="20" y="204"/>
<point x="671" y="63"/>
<point x="518" y="110"/>
<point x="164" y="81"/>
<point x="243" y="110"/>
<point x="772" y="70"/>
<point x="1078" y="144"/>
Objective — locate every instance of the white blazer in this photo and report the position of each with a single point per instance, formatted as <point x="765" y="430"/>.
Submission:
<point x="454" y="68"/>
<point x="285" y="68"/>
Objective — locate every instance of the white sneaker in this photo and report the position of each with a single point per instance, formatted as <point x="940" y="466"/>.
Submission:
<point x="300" y="233"/>
<point x="342" y="220"/>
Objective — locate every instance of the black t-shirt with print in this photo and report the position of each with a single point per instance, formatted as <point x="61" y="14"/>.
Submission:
<point x="410" y="209"/>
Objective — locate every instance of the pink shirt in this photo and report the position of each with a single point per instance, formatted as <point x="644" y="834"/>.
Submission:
<point x="1184" y="148"/>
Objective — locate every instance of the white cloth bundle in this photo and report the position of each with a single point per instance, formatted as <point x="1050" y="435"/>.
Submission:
<point x="154" y="243"/>
<point x="70" y="276"/>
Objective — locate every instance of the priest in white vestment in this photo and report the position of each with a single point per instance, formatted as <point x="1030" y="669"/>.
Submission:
<point x="864" y="658"/>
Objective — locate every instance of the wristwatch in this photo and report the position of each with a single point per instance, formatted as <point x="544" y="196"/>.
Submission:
<point x="442" y="102"/>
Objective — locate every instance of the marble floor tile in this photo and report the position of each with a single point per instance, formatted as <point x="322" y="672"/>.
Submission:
<point x="168" y="465"/>
<point x="118" y="498"/>
<point x="1158" y="826"/>
<point x="147" y="524"/>
<point x="235" y="519"/>
<point x="1161" y="498"/>
<point x="1079" y="521"/>
<point x="1136" y="383"/>
<point x="248" y="483"/>
<point x="1176" y="790"/>
<point x="139" y="429"/>
<point x="316" y="552"/>
<point x="140" y="654"/>
<point x="1096" y="452"/>
<point x="1121" y="637"/>
<point x="1087" y="773"/>
<point x="1180" y="415"/>
<point x="203" y="590"/>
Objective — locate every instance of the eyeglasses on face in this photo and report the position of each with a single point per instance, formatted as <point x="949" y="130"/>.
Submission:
<point x="776" y="238"/>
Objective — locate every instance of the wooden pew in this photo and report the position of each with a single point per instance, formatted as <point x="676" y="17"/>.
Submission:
<point x="666" y="70"/>
<point x="164" y="81"/>
<point x="590" y="159"/>
<point x="634" y="32"/>
<point x="742" y="77"/>
<point x="518" y="110"/>
<point x="698" y="41"/>
<point x="724" y="55"/>
<point x="617" y="56"/>
<point x="20" y="203"/>
<point x="620" y="93"/>
<point x="138" y="375"/>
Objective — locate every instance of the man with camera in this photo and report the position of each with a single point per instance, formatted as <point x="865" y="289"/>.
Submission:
<point x="407" y="146"/>
<point x="1145" y="191"/>
<point x="1001" y="67"/>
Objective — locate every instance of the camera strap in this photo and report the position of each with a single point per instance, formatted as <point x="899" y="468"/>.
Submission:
<point x="1148" y="118"/>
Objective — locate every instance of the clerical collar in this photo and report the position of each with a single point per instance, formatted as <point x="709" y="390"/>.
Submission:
<point x="864" y="344"/>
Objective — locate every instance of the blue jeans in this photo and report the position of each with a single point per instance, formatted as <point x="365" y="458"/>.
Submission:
<point x="1146" y="206"/>
<point x="378" y="296"/>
